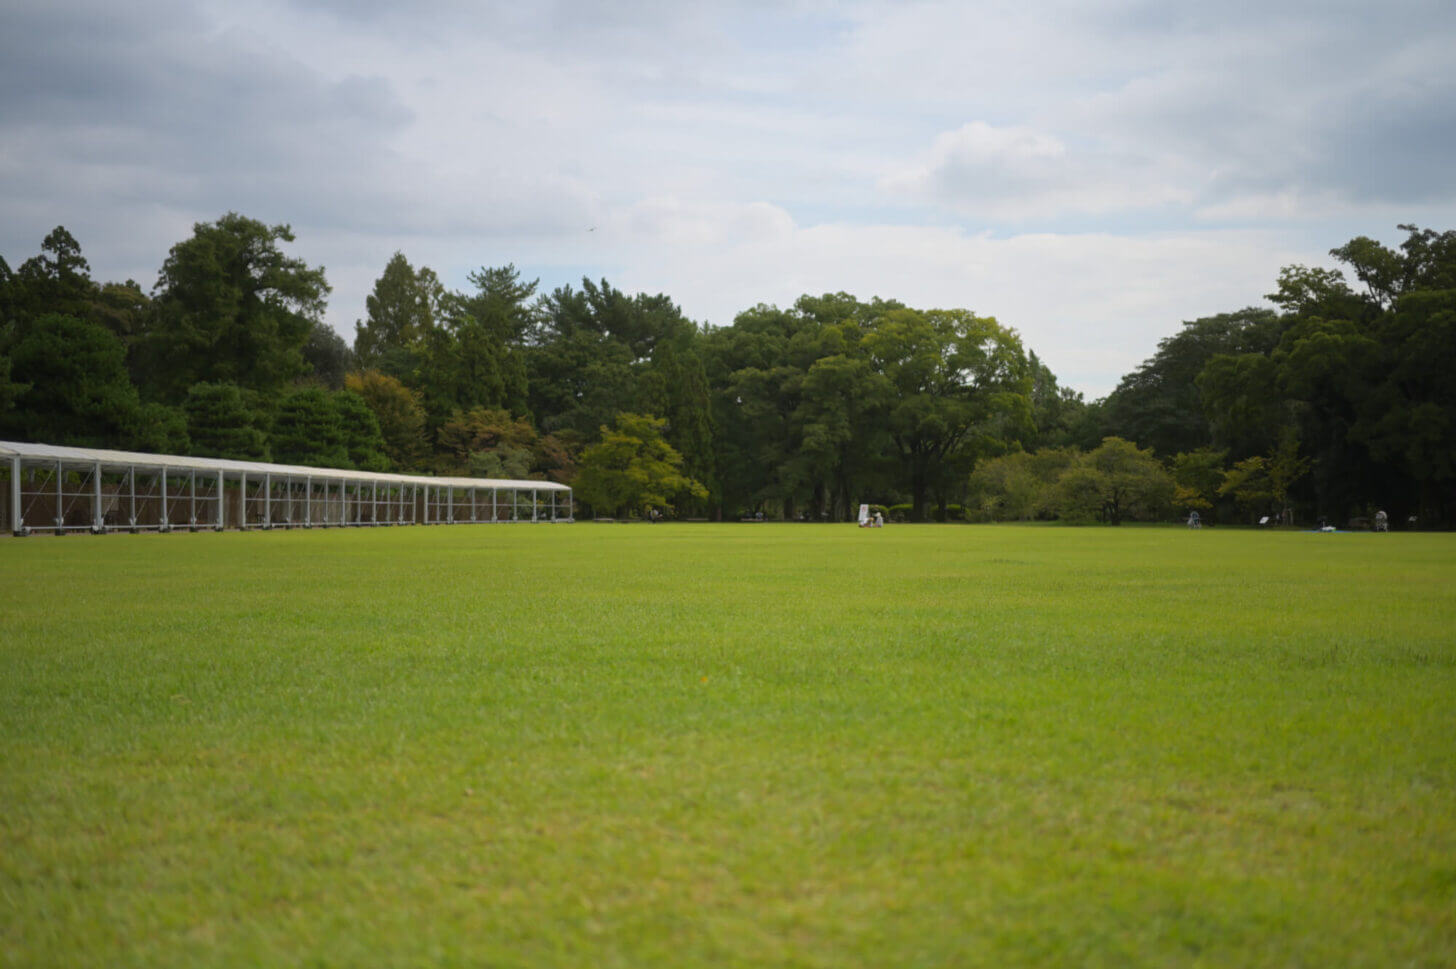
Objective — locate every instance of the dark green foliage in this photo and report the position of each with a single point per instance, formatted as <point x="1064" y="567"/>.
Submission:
<point x="10" y="390"/>
<point x="327" y="357"/>
<point x="591" y="355"/>
<point x="363" y="441"/>
<point x="472" y="358"/>
<point x="230" y="308"/>
<point x="404" y="309"/>
<point x="160" y="429"/>
<point x="76" y="388"/>
<point x="222" y="425"/>
<point x="1058" y="413"/>
<point x="1346" y="394"/>
<point x="308" y="430"/>
<point x="1160" y="405"/>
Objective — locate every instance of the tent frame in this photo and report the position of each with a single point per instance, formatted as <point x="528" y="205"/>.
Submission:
<point x="50" y="488"/>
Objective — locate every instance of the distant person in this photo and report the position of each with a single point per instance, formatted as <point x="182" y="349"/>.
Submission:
<point x="879" y="520"/>
<point x="1194" y="521"/>
<point x="1382" y="522"/>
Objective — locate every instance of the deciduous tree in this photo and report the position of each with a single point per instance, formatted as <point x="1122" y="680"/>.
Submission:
<point x="633" y="468"/>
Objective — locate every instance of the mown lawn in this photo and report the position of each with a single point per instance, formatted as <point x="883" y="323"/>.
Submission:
<point x="732" y="745"/>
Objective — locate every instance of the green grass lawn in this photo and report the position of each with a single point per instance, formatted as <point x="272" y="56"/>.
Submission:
<point x="732" y="745"/>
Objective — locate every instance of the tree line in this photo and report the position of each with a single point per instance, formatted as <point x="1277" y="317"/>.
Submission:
<point x="1339" y="400"/>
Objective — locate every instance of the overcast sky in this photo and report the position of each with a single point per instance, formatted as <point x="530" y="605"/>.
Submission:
<point x="1091" y="173"/>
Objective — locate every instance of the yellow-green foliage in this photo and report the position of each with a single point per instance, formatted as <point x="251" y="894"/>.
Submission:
<point x="734" y="745"/>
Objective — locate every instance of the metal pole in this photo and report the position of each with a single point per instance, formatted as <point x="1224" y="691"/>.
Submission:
<point x="472" y="505"/>
<point x="243" y="500"/>
<point x="221" y="511"/>
<point x="96" y="524"/>
<point x="533" y="504"/>
<point x="192" y="499"/>
<point x="16" y="524"/>
<point x="60" y="501"/>
<point x="449" y="504"/>
<point x="267" y="500"/>
<point x="164" y="524"/>
<point x="308" y="501"/>
<point x="493" y="517"/>
<point x="131" y="477"/>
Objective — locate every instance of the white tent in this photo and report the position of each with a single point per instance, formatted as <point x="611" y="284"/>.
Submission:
<point x="62" y="489"/>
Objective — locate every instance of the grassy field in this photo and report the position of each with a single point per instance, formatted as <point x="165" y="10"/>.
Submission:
<point x="731" y="745"/>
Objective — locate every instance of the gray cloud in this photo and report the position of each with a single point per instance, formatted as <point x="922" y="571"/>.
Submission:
<point x="696" y="137"/>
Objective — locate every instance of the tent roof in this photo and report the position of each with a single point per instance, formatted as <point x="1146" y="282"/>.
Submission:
<point x="120" y="459"/>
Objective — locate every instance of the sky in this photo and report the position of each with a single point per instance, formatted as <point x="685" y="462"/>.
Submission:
<point x="1091" y="173"/>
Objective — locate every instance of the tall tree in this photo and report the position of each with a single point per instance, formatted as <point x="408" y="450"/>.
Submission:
<point x="469" y="360"/>
<point x="955" y="380"/>
<point x="404" y="308"/>
<point x="231" y="307"/>
<point x="327" y="357"/>
<point x="1159" y="405"/>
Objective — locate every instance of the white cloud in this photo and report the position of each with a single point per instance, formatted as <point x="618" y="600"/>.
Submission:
<point x="1016" y="172"/>
<point x="1133" y="163"/>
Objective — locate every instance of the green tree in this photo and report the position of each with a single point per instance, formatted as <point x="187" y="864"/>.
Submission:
<point x="1247" y="482"/>
<point x="58" y="280"/>
<point x="404" y="308"/>
<point x="1285" y="466"/>
<point x="363" y="441"/>
<point x="470" y="360"/>
<point x="590" y="353"/>
<point x="399" y="414"/>
<point x="1057" y="412"/>
<point x="1020" y="486"/>
<point x="327" y="357"/>
<point x="1197" y="476"/>
<point x="75" y="388"/>
<point x="840" y="419"/>
<point x="159" y="429"/>
<point x="230" y="307"/>
<point x="467" y="436"/>
<point x="308" y="430"/>
<point x="957" y="381"/>
<point x="1115" y="482"/>
<point x="505" y="462"/>
<point x="676" y="386"/>
<point x="221" y="424"/>
<point x="1161" y="404"/>
<point x="634" y="468"/>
